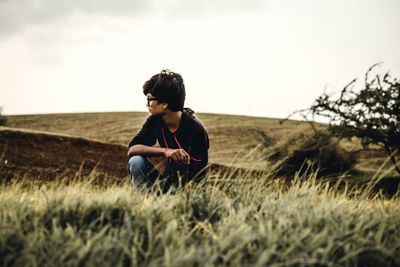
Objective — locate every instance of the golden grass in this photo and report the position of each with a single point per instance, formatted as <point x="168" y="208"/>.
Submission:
<point x="249" y="222"/>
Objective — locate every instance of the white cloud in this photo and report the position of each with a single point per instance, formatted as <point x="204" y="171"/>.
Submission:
<point x="15" y="15"/>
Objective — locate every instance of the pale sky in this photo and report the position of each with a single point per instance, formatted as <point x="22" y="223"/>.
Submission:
<point x="250" y="57"/>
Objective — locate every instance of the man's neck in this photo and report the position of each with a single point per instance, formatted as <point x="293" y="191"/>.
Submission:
<point x="172" y="120"/>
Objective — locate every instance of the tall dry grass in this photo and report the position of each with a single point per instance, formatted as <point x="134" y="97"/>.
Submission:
<point x="248" y="221"/>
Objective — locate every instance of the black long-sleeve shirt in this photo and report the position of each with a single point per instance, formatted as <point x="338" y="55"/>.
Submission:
<point x="190" y="136"/>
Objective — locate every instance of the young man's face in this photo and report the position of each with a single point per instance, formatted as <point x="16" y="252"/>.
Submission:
<point x="154" y="106"/>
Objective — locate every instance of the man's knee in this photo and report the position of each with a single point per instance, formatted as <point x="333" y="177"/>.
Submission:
<point x="139" y="170"/>
<point x="136" y="163"/>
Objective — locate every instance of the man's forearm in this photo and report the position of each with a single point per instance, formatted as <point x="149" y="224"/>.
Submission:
<point x="144" y="150"/>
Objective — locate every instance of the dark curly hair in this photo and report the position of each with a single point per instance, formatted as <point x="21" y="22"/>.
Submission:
<point x="167" y="87"/>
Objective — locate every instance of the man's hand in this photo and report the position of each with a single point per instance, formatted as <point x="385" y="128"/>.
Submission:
<point x="178" y="155"/>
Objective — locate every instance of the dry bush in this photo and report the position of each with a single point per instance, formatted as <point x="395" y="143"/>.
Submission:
<point x="319" y="152"/>
<point x="370" y="112"/>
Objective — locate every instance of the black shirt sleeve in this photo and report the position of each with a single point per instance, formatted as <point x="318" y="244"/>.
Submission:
<point x="147" y="135"/>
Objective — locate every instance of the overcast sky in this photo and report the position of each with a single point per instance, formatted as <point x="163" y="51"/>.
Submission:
<point x="252" y="57"/>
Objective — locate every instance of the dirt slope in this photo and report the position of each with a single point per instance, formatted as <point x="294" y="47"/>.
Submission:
<point x="47" y="156"/>
<point x="44" y="156"/>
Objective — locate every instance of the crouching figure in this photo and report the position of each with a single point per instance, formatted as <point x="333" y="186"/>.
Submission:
<point x="182" y="139"/>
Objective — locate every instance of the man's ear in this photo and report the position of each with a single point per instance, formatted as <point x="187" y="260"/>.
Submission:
<point x="165" y="105"/>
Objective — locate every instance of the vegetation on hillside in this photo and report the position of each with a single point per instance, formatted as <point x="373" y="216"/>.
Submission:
<point x="318" y="153"/>
<point x="371" y="113"/>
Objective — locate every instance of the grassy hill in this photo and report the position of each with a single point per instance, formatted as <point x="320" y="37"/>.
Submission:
<point x="234" y="140"/>
<point x="239" y="141"/>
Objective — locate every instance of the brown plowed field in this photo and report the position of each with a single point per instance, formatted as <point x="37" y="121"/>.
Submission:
<point x="47" y="156"/>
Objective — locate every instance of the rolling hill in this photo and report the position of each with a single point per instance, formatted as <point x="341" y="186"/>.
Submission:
<point x="62" y="144"/>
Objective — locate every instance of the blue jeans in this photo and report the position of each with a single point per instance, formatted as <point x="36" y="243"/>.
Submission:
<point x="143" y="175"/>
<point x="142" y="171"/>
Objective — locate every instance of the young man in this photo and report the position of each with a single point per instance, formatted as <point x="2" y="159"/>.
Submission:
<point x="183" y="141"/>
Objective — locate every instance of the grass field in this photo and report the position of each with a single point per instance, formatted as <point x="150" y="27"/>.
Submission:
<point x="252" y="220"/>
<point x="247" y="222"/>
